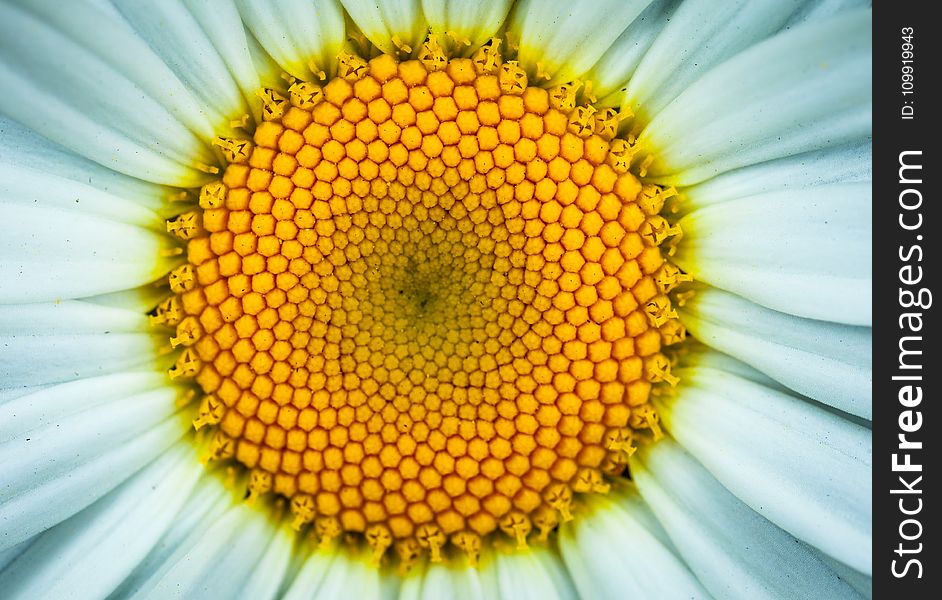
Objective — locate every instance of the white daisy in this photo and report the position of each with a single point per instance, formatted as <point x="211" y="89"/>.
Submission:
<point x="319" y="299"/>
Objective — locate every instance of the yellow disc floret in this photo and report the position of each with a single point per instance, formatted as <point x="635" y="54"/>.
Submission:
<point x="425" y="303"/>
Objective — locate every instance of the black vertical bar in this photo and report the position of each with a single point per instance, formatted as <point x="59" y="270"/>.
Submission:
<point x="906" y="273"/>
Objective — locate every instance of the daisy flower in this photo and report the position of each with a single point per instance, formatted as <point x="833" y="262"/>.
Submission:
<point x="435" y="299"/>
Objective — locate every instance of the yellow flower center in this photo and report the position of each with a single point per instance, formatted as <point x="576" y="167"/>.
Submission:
<point x="426" y="303"/>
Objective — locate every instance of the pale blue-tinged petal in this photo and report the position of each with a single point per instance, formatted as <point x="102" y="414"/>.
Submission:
<point x="699" y="35"/>
<point x="29" y="153"/>
<point x="30" y="359"/>
<point x="840" y="164"/>
<point x="109" y="538"/>
<point x="348" y="575"/>
<point x="829" y="362"/>
<point x="860" y="582"/>
<point x="140" y="299"/>
<point x="48" y="255"/>
<point x="268" y="574"/>
<point x="534" y="574"/>
<point x="617" y="549"/>
<point x="208" y="501"/>
<point x="564" y="39"/>
<point x="52" y="472"/>
<point x="36" y="188"/>
<point x="222" y="25"/>
<point x="805" y="469"/>
<point x="477" y="22"/>
<point x="313" y="572"/>
<point x="432" y="581"/>
<point x="220" y="562"/>
<point x="805" y="89"/>
<point x="69" y="317"/>
<point x="610" y="75"/>
<point x="817" y="10"/>
<point x="44" y="408"/>
<point x="11" y="554"/>
<point x="9" y="393"/>
<point x="112" y="100"/>
<point x="734" y="551"/>
<point x="178" y="38"/>
<point x="384" y="23"/>
<point x="704" y="356"/>
<point x="303" y="36"/>
<point x="805" y="253"/>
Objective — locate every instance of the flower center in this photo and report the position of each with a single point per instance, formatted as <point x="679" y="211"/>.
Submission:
<point x="426" y="303"/>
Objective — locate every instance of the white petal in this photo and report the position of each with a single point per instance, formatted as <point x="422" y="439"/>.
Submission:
<point x="222" y="24"/>
<point x="30" y="153"/>
<point x="343" y="577"/>
<point x="270" y="73"/>
<point x="11" y="554"/>
<point x="8" y="394"/>
<point x="68" y="317"/>
<point x="206" y="504"/>
<point x="108" y="538"/>
<point x="123" y="108"/>
<point x="380" y="22"/>
<point x="823" y="9"/>
<point x="51" y="255"/>
<point x="267" y="576"/>
<point x="176" y="36"/>
<point x="805" y="469"/>
<point x="390" y="585"/>
<point x="52" y="472"/>
<point x="297" y="33"/>
<point x="734" y="551"/>
<point x="219" y="562"/>
<point x="313" y="573"/>
<point x="805" y="89"/>
<point x="533" y="574"/>
<point x="704" y="356"/>
<point x="840" y="164"/>
<point x="57" y="342"/>
<point x="59" y="358"/>
<point x="804" y="253"/>
<point x="50" y="405"/>
<point x="349" y="576"/>
<point x="566" y="39"/>
<point x="699" y="35"/>
<point x="826" y="361"/>
<point x="46" y="190"/>
<point x="618" y="63"/>
<point x="476" y="21"/>
<point x="435" y="580"/>
<point x="139" y="300"/>
<point x="617" y="549"/>
<point x="860" y="582"/>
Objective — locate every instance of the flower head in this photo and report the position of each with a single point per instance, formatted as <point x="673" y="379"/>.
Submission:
<point x="511" y="299"/>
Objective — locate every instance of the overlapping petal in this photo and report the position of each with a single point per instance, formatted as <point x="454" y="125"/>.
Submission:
<point x="177" y="36"/>
<point x="804" y="468"/>
<point x="117" y="531"/>
<point x="726" y="120"/>
<point x="619" y="550"/>
<point x="734" y="551"/>
<point x="54" y="470"/>
<point x="563" y="40"/>
<point x="829" y="362"/>
<point x="775" y="213"/>
<point x="805" y="254"/>
<point x="113" y="101"/>
<point x="303" y="37"/>
<point x="475" y="22"/>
